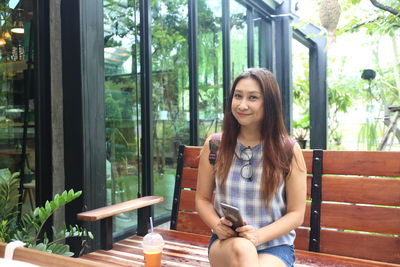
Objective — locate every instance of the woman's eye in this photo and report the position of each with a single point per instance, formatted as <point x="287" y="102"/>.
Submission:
<point x="237" y="96"/>
<point x="253" y="97"/>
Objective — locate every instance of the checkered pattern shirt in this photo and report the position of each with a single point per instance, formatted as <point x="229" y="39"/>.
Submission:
<point x="245" y="195"/>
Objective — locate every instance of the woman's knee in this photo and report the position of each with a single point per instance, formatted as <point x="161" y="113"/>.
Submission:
<point x="243" y="249"/>
<point x="233" y="252"/>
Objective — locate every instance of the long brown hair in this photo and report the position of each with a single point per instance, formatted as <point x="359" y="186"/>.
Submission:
<point x="277" y="147"/>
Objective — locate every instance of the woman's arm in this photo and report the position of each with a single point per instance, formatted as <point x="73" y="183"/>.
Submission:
<point x="296" y="193"/>
<point x="204" y="195"/>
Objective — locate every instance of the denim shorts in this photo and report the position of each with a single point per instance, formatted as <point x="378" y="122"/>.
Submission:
<point x="284" y="252"/>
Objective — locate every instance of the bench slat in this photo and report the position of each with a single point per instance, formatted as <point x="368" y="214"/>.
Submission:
<point x="309" y="181"/>
<point x="188" y="222"/>
<point x="309" y="258"/>
<point x="302" y="238"/>
<point x="189" y="178"/>
<point x="187" y="203"/>
<point x="365" y="190"/>
<point x="191" y="156"/>
<point x="373" y="247"/>
<point x="187" y="238"/>
<point x="306" y="222"/>
<point x="45" y="259"/>
<point x="187" y="200"/>
<point x="370" y="163"/>
<point x="361" y="218"/>
<point x="308" y="158"/>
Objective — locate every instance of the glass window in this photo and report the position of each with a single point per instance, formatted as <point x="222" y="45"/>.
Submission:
<point x="301" y="92"/>
<point x="122" y="105"/>
<point x="210" y="68"/>
<point x="238" y="36"/>
<point x="257" y="21"/>
<point x="17" y="113"/>
<point x="262" y="42"/>
<point x="170" y="83"/>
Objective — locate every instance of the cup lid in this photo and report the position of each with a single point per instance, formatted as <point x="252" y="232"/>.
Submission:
<point x="153" y="240"/>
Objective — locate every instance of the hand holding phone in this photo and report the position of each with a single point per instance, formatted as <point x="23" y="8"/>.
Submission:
<point x="232" y="214"/>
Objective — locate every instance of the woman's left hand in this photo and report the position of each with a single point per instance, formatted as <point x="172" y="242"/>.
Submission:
<point x="249" y="232"/>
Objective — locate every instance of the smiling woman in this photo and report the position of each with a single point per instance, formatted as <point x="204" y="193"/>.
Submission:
<point x="260" y="171"/>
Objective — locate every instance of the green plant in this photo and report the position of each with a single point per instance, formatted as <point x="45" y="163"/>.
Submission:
<point x="301" y="128"/>
<point x="29" y="229"/>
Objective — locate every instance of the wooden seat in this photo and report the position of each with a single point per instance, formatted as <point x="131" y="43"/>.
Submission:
<point x="352" y="216"/>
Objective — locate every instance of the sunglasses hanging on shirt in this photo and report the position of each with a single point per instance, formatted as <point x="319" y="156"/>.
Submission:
<point x="247" y="169"/>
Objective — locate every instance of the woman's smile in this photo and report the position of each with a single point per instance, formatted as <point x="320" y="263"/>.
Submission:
<point x="243" y="114"/>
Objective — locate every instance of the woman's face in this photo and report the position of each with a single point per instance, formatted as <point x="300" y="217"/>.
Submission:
<point x="248" y="103"/>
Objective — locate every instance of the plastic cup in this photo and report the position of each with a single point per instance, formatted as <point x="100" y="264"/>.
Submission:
<point x="153" y="244"/>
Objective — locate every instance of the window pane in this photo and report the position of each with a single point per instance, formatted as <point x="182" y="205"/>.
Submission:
<point x="301" y="91"/>
<point x="210" y="68"/>
<point x="122" y="106"/>
<point x="238" y="38"/>
<point x="17" y="113"/>
<point x="170" y="83"/>
<point x="257" y="22"/>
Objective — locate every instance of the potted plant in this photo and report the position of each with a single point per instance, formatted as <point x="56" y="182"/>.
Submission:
<point x="29" y="228"/>
<point x="300" y="131"/>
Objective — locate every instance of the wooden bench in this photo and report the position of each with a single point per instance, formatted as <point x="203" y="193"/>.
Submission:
<point x="352" y="216"/>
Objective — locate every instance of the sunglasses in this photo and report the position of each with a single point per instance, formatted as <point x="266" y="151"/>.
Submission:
<point x="247" y="170"/>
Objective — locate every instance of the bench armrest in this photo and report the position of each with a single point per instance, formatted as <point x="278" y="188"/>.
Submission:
<point x="109" y="211"/>
<point x="105" y="214"/>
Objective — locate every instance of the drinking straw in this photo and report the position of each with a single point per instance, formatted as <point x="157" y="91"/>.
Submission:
<point x="151" y="224"/>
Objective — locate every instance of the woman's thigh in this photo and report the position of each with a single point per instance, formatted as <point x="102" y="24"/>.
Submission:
<point x="270" y="261"/>
<point x="234" y="251"/>
<point x="279" y="256"/>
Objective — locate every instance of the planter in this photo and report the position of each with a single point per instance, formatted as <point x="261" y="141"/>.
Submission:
<point x="302" y="143"/>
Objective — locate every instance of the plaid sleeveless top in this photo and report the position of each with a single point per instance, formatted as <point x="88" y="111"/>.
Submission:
<point x="245" y="195"/>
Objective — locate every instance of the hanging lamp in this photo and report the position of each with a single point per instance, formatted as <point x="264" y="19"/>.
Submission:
<point x="18" y="24"/>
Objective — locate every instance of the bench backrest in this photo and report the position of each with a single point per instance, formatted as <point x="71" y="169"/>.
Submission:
<point x="353" y="203"/>
<point x="359" y="201"/>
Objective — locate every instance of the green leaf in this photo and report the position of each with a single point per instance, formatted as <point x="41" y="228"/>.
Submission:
<point x="48" y="207"/>
<point x="41" y="247"/>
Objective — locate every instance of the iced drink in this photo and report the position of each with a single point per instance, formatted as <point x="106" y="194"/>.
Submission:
<point x="153" y="244"/>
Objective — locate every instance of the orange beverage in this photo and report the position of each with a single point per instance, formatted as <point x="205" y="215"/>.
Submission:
<point x="152" y="258"/>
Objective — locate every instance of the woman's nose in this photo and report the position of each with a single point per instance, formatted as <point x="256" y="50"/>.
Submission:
<point x="243" y="105"/>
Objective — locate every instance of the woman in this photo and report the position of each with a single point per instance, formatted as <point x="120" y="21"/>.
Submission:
<point x="259" y="170"/>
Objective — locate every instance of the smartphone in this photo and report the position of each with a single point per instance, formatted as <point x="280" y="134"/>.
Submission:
<point x="232" y="214"/>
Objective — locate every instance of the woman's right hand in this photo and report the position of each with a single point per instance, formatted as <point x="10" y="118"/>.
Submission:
<point x="223" y="229"/>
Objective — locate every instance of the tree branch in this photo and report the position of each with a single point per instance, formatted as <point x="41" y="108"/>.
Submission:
<point x="385" y="8"/>
<point x="365" y="23"/>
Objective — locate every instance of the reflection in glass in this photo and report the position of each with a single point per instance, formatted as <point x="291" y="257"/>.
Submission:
<point x="170" y="84"/>
<point x="122" y="106"/>
<point x="17" y="113"/>
<point x="210" y="68"/>
<point x="238" y="38"/>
